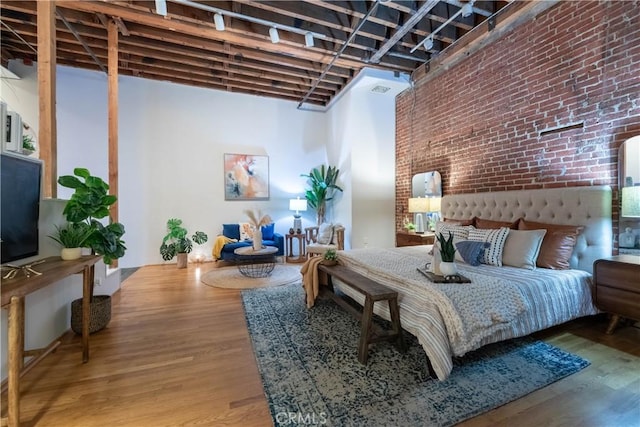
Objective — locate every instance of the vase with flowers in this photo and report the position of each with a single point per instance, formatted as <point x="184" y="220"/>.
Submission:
<point x="257" y="221"/>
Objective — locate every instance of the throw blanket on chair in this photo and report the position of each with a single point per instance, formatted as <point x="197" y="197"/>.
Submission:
<point x="219" y="243"/>
<point x="310" y="283"/>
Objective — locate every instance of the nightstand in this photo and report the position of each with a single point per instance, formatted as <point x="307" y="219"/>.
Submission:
<point x="302" y="255"/>
<point x="406" y="238"/>
<point x="617" y="287"/>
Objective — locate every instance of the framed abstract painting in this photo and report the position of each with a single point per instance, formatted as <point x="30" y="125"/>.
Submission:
<point x="246" y="177"/>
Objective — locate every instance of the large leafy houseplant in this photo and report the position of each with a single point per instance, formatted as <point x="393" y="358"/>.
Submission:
<point x="177" y="242"/>
<point x="89" y="203"/>
<point x="322" y="183"/>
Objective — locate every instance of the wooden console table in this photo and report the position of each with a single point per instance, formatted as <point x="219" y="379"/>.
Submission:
<point x="13" y="292"/>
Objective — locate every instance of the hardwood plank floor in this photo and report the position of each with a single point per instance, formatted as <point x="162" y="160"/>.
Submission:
<point x="177" y="352"/>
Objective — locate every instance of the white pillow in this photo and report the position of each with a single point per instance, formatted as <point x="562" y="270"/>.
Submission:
<point x="334" y="238"/>
<point x="459" y="232"/>
<point x="325" y="234"/>
<point x="497" y="237"/>
<point x="522" y="247"/>
<point x="246" y="231"/>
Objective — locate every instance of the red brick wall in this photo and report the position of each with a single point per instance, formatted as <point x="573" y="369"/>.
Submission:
<point x="479" y="123"/>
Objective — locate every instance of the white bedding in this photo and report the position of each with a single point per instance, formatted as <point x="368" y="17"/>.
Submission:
<point x="452" y="319"/>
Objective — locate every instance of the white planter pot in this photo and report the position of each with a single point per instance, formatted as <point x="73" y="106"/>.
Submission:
<point x="68" y="254"/>
<point x="257" y="239"/>
<point x="448" y="268"/>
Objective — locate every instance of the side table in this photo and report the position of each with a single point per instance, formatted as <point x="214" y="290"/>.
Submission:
<point x="617" y="287"/>
<point x="302" y="255"/>
<point x="405" y="238"/>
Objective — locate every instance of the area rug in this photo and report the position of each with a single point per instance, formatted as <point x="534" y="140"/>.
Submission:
<point x="310" y="373"/>
<point x="230" y="278"/>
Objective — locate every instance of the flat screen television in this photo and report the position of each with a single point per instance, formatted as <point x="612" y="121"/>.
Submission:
<point x="20" y="193"/>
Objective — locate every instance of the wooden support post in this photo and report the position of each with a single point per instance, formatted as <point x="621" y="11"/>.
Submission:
<point x="47" y="132"/>
<point x="87" y="282"/>
<point x="112" y="30"/>
<point x="16" y="358"/>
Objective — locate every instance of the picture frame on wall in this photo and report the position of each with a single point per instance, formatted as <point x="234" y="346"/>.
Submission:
<point x="246" y="177"/>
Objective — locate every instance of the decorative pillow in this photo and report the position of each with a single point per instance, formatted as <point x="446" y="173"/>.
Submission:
<point x="246" y="231"/>
<point x="325" y="234"/>
<point x="471" y="251"/>
<point x="459" y="232"/>
<point x="231" y="231"/>
<point x="491" y="224"/>
<point x="493" y="254"/>
<point x="334" y="238"/>
<point x="522" y="248"/>
<point x="557" y="245"/>
<point x="268" y="231"/>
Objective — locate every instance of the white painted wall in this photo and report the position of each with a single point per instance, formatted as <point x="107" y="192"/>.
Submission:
<point x="362" y="143"/>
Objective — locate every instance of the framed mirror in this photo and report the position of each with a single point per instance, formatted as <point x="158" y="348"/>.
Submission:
<point x="426" y="193"/>
<point x="629" y="184"/>
<point x="427" y="184"/>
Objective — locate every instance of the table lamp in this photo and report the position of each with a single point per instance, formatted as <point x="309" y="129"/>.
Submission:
<point x="630" y="202"/>
<point x="297" y="205"/>
<point x="418" y="205"/>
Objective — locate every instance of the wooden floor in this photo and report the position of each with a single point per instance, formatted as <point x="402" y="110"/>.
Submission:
<point x="177" y="352"/>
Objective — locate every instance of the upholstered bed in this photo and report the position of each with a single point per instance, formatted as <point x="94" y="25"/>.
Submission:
<point x="501" y="302"/>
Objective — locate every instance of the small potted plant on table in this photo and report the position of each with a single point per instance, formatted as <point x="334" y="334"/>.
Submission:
<point x="330" y="257"/>
<point x="448" y="255"/>
<point x="72" y="236"/>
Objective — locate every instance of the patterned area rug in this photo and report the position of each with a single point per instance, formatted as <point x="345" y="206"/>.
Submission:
<point x="230" y="277"/>
<point x="307" y="360"/>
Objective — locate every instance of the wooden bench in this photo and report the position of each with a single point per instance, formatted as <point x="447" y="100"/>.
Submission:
<point x="372" y="291"/>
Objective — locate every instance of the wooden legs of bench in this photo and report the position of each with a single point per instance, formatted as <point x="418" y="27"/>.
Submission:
<point x="367" y="335"/>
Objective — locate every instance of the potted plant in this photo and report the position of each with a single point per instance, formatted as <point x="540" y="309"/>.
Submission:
<point x="89" y="203"/>
<point x="28" y="144"/>
<point x="330" y="257"/>
<point x="177" y="243"/>
<point x="447" y="254"/>
<point x="72" y="237"/>
<point x="323" y="184"/>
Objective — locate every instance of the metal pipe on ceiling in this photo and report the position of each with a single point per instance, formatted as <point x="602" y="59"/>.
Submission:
<point x="340" y="52"/>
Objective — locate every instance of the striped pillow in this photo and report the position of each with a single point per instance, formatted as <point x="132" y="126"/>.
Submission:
<point x="497" y="237"/>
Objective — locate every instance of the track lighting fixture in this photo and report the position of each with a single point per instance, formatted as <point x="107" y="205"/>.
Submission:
<point x="309" y="36"/>
<point x="467" y="10"/>
<point x="161" y="7"/>
<point x="273" y="33"/>
<point x="428" y="44"/>
<point x="219" y="21"/>
<point x="308" y="40"/>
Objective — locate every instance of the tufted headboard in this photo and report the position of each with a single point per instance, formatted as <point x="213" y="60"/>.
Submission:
<point x="586" y="206"/>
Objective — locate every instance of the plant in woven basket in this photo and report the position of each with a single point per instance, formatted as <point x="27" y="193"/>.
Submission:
<point x="331" y="255"/>
<point x="447" y="249"/>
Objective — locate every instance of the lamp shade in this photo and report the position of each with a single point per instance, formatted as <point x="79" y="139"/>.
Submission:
<point x="435" y="204"/>
<point x="418" y="205"/>
<point x="631" y="202"/>
<point x="298" y="204"/>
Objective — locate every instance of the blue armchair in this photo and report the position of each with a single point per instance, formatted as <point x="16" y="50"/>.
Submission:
<point x="232" y="231"/>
